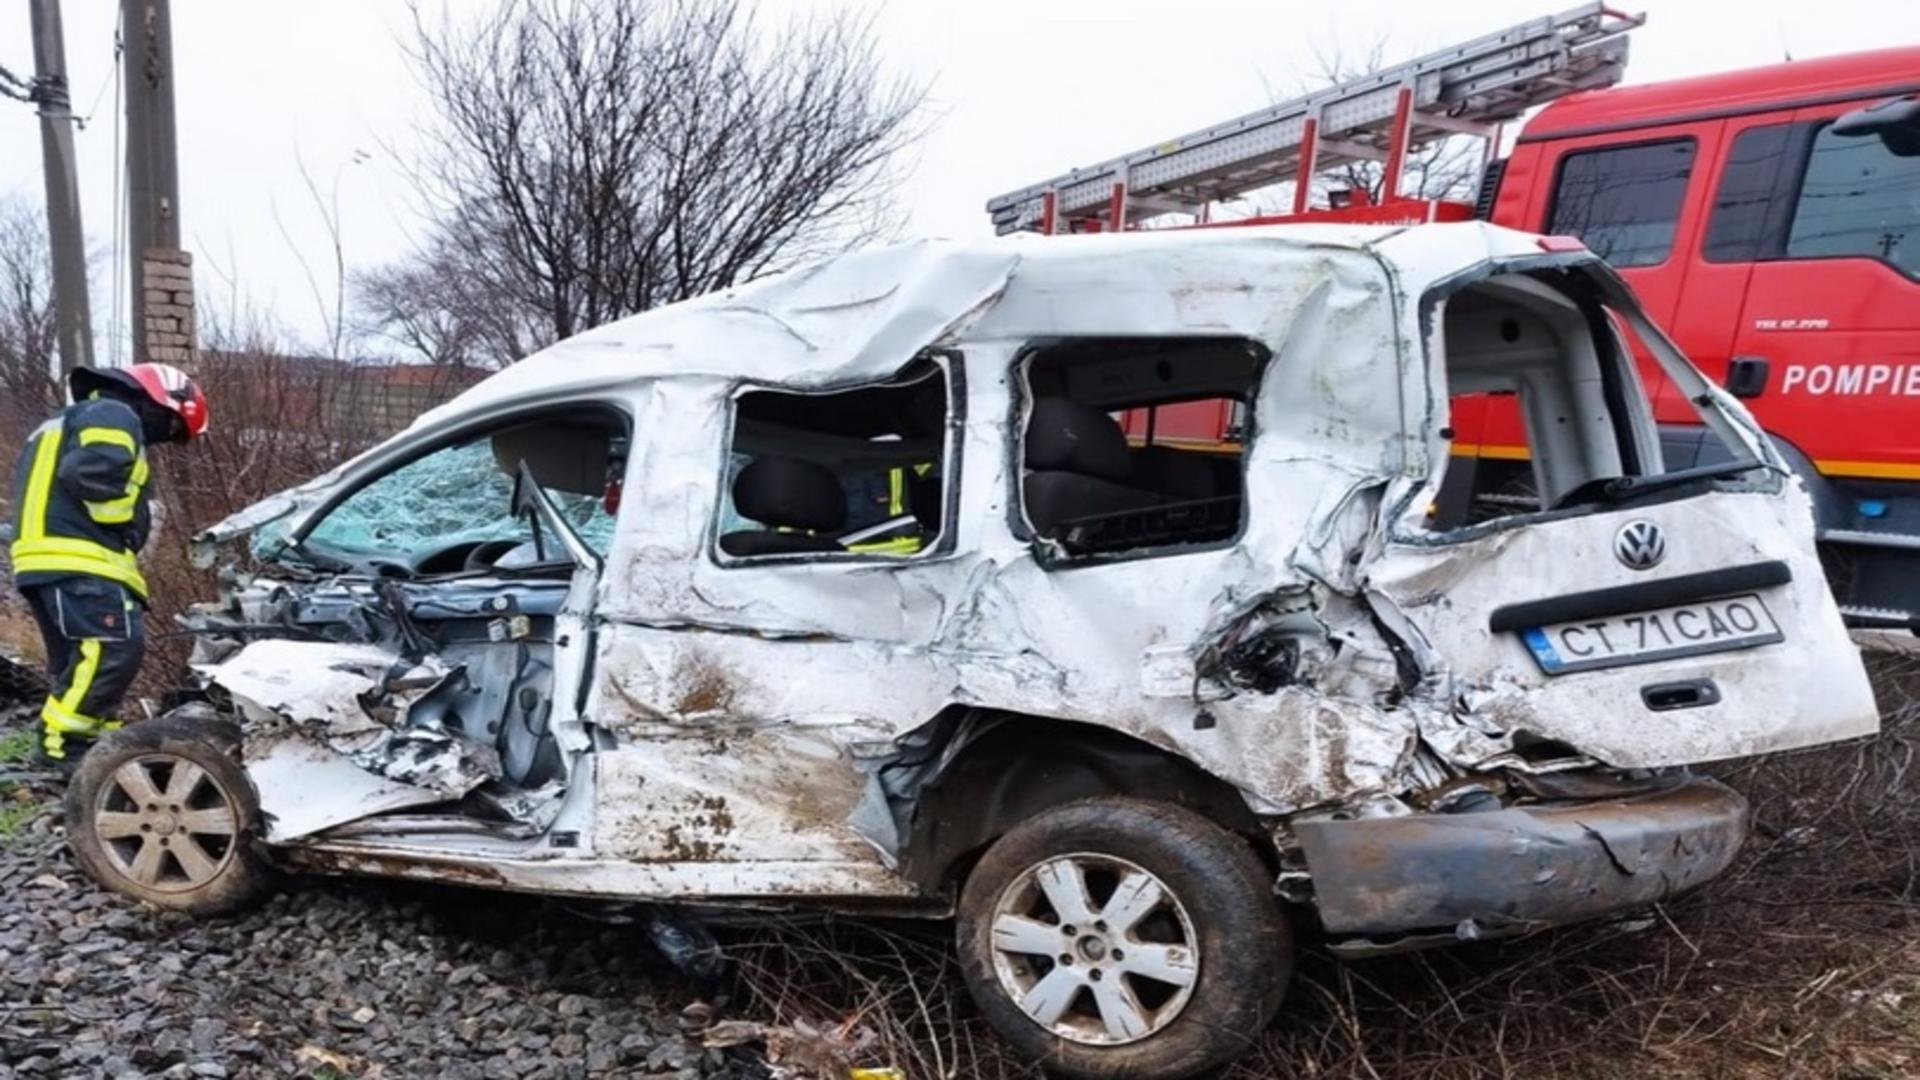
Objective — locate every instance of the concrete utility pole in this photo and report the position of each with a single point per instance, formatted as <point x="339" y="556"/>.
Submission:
<point x="73" y="321"/>
<point x="159" y="273"/>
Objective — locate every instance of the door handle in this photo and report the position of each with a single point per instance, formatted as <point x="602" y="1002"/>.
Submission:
<point x="1686" y="694"/>
<point x="1747" y="376"/>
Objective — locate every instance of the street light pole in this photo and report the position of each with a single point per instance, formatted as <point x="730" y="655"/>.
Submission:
<point x="73" y="322"/>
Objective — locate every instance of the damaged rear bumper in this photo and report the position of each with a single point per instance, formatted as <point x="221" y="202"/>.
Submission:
<point x="1519" y="868"/>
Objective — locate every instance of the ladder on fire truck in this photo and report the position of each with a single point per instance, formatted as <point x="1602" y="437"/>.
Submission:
<point x="1468" y="89"/>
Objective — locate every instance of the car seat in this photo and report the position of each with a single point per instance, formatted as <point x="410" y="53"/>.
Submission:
<point x="801" y="503"/>
<point x="1079" y="467"/>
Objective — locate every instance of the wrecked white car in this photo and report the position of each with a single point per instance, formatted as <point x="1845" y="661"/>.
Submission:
<point x="849" y="588"/>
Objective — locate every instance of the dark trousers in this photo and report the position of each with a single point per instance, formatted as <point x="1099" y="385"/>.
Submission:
<point x="95" y="639"/>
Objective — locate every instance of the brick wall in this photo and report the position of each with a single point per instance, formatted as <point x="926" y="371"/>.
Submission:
<point x="166" y="282"/>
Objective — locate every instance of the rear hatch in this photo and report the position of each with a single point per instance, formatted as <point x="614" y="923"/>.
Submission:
<point x="1640" y="616"/>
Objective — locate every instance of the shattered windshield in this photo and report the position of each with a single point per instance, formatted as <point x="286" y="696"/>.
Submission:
<point x="452" y="499"/>
<point x="456" y="495"/>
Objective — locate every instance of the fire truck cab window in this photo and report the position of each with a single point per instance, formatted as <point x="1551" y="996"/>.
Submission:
<point x="860" y="472"/>
<point x="1623" y="201"/>
<point x="1858" y="198"/>
<point x="1134" y="445"/>
<point x="1737" y="226"/>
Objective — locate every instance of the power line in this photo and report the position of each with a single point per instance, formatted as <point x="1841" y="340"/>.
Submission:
<point x="17" y="88"/>
<point x="81" y="122"/>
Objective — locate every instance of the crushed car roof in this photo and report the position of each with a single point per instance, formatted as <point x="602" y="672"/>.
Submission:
<point x="861" y="315"/>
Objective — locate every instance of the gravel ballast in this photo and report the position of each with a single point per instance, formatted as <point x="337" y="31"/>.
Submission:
<point x="331" y="978"/>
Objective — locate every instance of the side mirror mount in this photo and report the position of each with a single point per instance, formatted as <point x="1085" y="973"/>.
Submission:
<point x="531" y="500"/>
<point x="1896" y="121"/>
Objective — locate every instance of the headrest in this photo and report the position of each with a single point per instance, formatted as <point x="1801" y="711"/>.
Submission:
<point x="1068" y="436"/>
<point x="565" y="455"/>
<point x="790" y="493"/>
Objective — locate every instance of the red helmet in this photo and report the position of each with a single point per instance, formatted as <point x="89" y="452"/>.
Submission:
<point x="166" y="385"/>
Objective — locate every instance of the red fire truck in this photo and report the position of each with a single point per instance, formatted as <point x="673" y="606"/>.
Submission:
<point x="1768" y="218"/>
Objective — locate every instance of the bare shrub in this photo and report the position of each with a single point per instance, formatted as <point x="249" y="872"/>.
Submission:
<point x="27" y="387"/>
<point x="890" y="995"/>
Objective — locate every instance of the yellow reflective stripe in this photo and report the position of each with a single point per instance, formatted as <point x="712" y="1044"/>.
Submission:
<point x="59" y="718"/>
<point x="120" y="511"/>
<point x="1491" y="450"/>
<point x="33" y="502"/>
<point x="83" y="673"/>
<point x="1879" y="470"/>
<point x="111" y="435"/>
<point x="896" y="492"/>
<point x="65" y="555"/>
<point x="117" y="512"/>
<point x="903" y="545"/>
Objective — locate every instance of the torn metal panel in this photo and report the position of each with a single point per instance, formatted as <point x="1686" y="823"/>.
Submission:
<point x="1769" y="700"/>
<point x="348" y="703"/>
<point x="892" y="645"/>
<point x="306" y="787"/>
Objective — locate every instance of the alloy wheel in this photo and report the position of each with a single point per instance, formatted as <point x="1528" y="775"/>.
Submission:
<point x="1095" y="949"/>
<point x="165" y="823"/>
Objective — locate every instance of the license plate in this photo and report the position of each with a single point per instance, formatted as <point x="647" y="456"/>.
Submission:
<point x="1708" y="626"/>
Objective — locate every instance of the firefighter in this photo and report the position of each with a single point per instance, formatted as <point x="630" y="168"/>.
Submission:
<point x="80" y="519"/>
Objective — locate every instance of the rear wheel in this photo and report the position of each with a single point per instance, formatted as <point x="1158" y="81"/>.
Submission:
<point x="162" y="812"/>
<point x="1117" y="937"/>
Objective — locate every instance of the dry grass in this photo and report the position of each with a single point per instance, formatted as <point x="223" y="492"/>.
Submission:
<point x="1801" y="961"/>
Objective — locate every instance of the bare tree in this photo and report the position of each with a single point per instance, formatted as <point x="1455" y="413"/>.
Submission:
<point x="1447" y="168"/>
<point x="450" y="303"/>
<point x="593" y="158"/>
<point x="27" y="383"/>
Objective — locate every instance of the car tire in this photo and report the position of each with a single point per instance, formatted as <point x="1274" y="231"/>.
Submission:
<point x="162" y="812"/>
<point x="1164" y="897"/>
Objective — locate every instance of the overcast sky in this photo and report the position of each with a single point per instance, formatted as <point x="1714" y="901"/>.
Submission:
<point x="1022" y="89"/>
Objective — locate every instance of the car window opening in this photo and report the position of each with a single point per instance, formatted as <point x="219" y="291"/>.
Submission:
<point x="1549" y="382"/>
<point x="863" y="471"/>
<point x="1133" y="443"/>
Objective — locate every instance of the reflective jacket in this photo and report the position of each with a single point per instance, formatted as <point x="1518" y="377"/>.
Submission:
<point x="80" y="497"/>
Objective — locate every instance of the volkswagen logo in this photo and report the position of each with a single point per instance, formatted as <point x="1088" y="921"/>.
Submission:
<point x="1640" y="545"/>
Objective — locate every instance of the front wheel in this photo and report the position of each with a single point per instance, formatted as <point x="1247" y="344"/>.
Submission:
<point x="1117" y="937"/>
<point x="160" y="811"/>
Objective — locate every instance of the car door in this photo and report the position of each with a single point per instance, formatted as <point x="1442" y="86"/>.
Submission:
<point x="749" y="660"/>
<point x="438" y="622"/>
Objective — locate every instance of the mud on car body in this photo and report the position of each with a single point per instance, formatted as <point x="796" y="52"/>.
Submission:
<point x="845" y="588"/>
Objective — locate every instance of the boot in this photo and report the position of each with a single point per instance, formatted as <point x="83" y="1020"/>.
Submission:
<point x="60" y="754"/>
